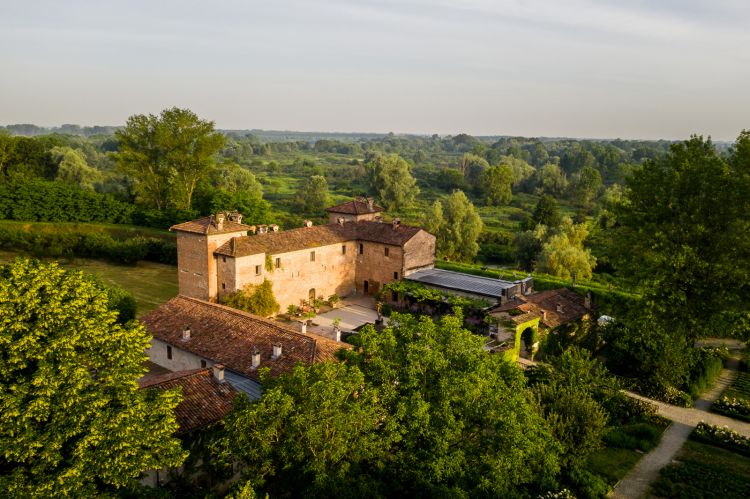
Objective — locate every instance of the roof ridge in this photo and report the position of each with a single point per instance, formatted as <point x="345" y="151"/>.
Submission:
<point x="173" y="376"/>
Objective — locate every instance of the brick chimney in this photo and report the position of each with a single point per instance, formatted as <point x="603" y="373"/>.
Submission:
<point x="307" y="223"/>
<point x="186" y="333"/>
<point x="220" y="217"/>
<point x="370" y="204"/>
<point x="276" y="352"/>
<point x="396" y="222"/>
<point x="559" y="308"/>
<point x="338" y="334"/>
<point x="304" y="327"/>
<point x="262" y="228"/>
<point x="274" y="227"/>
<point x="255" y="359"/>
<point x="218" y="370"/>
<point x="341" y="220"/>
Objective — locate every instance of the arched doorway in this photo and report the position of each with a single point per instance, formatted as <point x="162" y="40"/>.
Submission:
<point x="529" y="342"/>
<point x="311" y="295"/>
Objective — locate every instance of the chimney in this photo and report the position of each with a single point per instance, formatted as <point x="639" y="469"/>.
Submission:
<point x="338" y="334"/>
<point x="255" y="359"/>
<point x="274" y="227"/>
<point x="304" y="327"/>
<point x="236" y="217"/>
<point x="307" y="223"/>
<point x="587" y="301"/>
<point x="370" y="204"/>
<point x="218" y="372"/>
<point x="341" y="220"/>
<point x="220" y="220"/>
<point x="396" y="222"/>
<point x="378" y="218"/>
<point x="276" y="352"/>
<point x="262" y="229"/>
<point x="559" y="308"/>
<point x="186" y="333"/>
<point x="544" y="315"/>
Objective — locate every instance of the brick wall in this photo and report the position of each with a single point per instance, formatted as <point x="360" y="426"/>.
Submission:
<point x="419" y="252"/>
<point x="375" y="268"/>
<point x="197" y="273"/>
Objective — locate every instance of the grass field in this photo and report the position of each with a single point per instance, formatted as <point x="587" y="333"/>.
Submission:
<point x="114" y="230"/>
<point x="705" y="471"/>
<point x="150" y="283"/>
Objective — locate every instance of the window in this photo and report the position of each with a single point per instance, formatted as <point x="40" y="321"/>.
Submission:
<point x="224" y="259"/>
<point x="386" y="250"/>
<point x="311" y="295"/>
<point x="312" y="256"/>
<point x="223" y="285"/>
<point x="278" y="263"/>
<point x="257" y="270"/>
<point x="343" y="249"/>
<point x="395" y="275"/>
<point x="203" y="363"/>
<point x="169" y="352"/>
<point x="361" y="248"/>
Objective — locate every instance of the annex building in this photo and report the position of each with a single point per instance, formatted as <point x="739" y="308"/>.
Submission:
<point x="355" y="253"/>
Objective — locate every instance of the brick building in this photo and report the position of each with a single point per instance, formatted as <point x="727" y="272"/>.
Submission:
<point x="356" y="253"/>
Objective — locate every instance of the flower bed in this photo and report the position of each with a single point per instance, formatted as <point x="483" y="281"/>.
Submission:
<point x="722" y="437"/>
<point x="733" y="407"/>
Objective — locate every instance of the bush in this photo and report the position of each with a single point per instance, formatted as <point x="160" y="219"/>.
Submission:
<point x="722" y="437"/>
<point x="706" y="368"/>
<point x="258" y="300"/>
<point x="637" y="436"/>
<point x="588" y="485"/>
<point x="122" y="301"/>
<point x="623" y="409"/>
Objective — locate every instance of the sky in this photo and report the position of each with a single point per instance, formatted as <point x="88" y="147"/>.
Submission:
<point x="579" y="68"/>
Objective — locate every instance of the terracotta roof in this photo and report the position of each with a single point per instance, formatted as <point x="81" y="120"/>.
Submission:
<point x="319" y="235"/>
<point x="555" y="307"/>
<point x="358" y="206"/>
<point x="204" y="399"/>
<point x="228" y="336"/>
<point x="207" y="225"/>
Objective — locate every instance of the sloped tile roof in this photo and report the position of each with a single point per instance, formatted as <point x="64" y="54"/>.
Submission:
<point x="207" y="226"/>
<point x="228" y="336"/>
<point x="204" y="399"/>
<point x="274" y="243"/>
<point x="355" y="207"/>
<point x="545" y="304"/>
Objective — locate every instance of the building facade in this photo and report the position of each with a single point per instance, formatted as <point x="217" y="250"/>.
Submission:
<point x="357" y="253"/>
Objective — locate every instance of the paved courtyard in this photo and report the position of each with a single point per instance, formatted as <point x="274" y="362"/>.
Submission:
<point x="353" y="312"/>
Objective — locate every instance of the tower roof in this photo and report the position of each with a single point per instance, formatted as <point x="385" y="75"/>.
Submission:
<point x="209" y="226"/>
<point x="359" y="206"/>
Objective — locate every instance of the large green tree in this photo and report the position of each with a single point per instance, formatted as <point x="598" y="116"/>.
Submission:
<point x="586" y="185"/>
<point x="496" y="185"/>
<point x="73" y="168"/>
<point x="683" y="236"/>
<point x="458" y="229"/>
<point x="312" y="195"/>
<point x="74" y="422"/>
<point x="563" y="254"/>
<point x="167" y="155"/>
<point x="389" y="176"/>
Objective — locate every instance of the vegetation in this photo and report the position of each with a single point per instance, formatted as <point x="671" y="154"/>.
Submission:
<point x="258" y="300"/>
<point x="74" y="422"/>
<point x="735" y="401"/>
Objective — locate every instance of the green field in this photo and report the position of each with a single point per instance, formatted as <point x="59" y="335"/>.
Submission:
<point x="150" y="283"/>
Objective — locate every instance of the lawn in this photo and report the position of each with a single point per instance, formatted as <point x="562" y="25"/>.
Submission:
<point x="150" y="283"/>
<point x="705" y="471"/>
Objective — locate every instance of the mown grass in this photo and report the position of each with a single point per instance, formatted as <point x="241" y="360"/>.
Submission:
<point x="705" y="471"/>
<point x="150" y="283"/>
<point x="114" y="230"/>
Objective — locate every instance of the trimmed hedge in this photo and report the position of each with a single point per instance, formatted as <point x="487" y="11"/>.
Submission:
<point x="86" y="242"/>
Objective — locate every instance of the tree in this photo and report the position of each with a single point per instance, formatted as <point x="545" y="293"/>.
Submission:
<point x="74" y="422"/>
<point x="563" y="254"/>
<point x="496" y="184"/>
<point x="520" y="170"/>
<point x="433" y="218"/>
<point x="390" y="177"/>
<point x="550" y="179"/>
<point x="310" y="433"/>
<point x="312" y="195"/>
<point x="258" y="300"/>
<point x="682" y="236"/>
<point x="167" y="155"/>
<point x="586" y="185"/>
<point x="527" y="245"/>
<point x="232" y="178"/>
<point x="460" y="228"/>
<point x="547" y="212"/>
<point x="73" y="169"/>
<point x="473" y="168"/>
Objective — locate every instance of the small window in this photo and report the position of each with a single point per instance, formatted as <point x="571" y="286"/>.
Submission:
<point x="312" y="256"/>
<point x="169" y="352"/>
<point x="257" y="270"/>
<point x="395" y="275"/>
<point x="224" y="259"/>
<point x="343" y="249"/>
<point x="386" y="250"/>
<point x="278" y="263"/>
<point x="223" y="285"/>
<point x="361" y="248"/>
<point x="203" y="363"/>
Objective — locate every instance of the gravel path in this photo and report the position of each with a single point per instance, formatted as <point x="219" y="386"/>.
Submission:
<point x="636" y="483"/>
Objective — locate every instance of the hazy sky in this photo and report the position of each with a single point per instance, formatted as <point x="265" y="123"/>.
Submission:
<point x="606" y="68"/>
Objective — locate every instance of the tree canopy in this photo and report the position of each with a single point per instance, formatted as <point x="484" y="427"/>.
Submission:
<point x="389" y="176"/>
<point x="456" y="225"/>
<point x="74" y="422"/>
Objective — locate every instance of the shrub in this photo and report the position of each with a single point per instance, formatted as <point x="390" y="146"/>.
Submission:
<point x="640" y="436"/>
<point x="733" y="407"/>
<point x="722" y="437"/>
<point x="706" y="368"/>
<point x="258" y="300"/>
<point x="623" y="409"/>
<point x="588" y="485"/>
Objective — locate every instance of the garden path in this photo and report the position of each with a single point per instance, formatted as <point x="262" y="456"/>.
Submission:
<point x="636" y="483"/>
